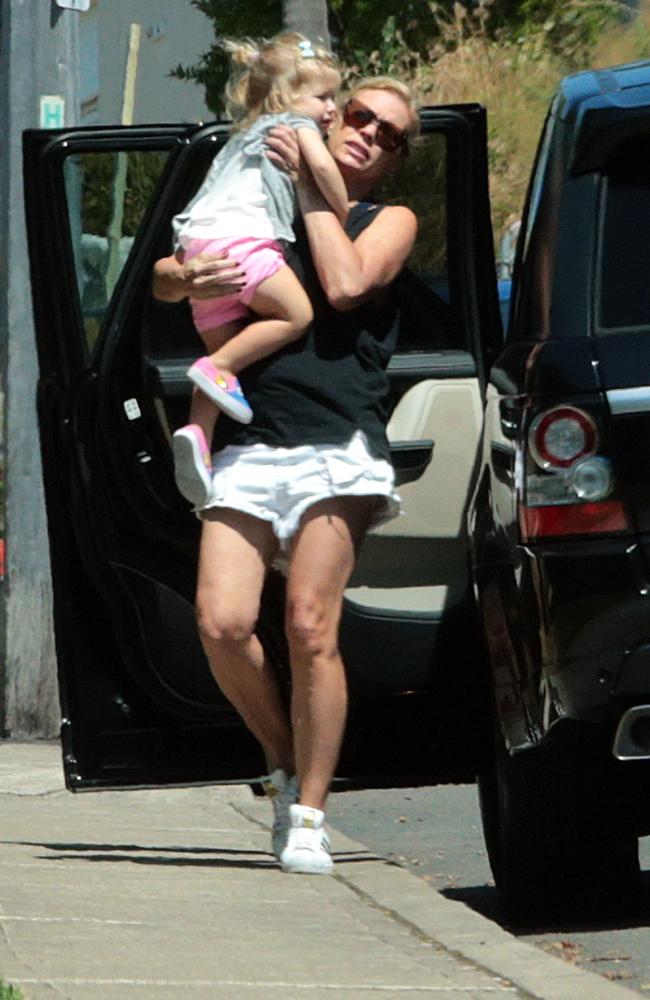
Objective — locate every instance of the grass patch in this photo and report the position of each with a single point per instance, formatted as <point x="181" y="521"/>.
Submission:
<point x="8" y="992"/>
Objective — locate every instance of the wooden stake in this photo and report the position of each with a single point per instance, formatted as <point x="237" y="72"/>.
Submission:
<point x="114" y="233"/>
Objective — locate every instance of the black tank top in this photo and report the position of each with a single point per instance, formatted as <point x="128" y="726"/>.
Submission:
<point x="332" y="381"/>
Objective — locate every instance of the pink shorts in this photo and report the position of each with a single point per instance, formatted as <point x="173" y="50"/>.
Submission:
<point x="258" y="258"/>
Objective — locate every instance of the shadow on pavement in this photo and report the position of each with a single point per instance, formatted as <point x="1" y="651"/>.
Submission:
<point x="484" y="900"/>
<point x="221" y="857"/>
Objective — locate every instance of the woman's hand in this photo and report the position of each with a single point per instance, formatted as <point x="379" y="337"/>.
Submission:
<point x="206" y="276"/>
<point x="283" y="150"/>
<point x="211" y="276"/>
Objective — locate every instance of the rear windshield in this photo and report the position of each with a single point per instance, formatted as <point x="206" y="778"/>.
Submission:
<point x="624" y="267"/>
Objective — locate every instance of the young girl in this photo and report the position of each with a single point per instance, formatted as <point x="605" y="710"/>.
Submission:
<point x="243" y="208"/>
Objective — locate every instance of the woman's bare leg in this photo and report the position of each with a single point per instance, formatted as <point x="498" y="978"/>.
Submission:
<point x="236" y="551"/>
<point x="321" y="561"/>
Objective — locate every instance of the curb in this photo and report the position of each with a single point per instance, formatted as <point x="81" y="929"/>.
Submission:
<point x="455" y="927"/>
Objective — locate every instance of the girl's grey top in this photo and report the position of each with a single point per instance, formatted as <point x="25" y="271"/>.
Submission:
<point x="242" y="173"/>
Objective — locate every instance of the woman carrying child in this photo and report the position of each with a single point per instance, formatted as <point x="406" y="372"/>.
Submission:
<point x="311" y="472"/>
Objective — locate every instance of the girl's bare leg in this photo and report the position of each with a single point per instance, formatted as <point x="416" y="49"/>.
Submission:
<point x="236" y="551"/>
<point x="285" y="312"/>
<point x="321" y="561"/>
<point x="202" y="410"/>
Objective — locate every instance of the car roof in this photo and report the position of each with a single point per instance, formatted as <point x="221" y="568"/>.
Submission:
<point x="625" y="87"/>
<point x="600" y="110"/>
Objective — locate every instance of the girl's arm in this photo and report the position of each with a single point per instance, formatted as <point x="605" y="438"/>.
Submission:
<point x="354" y="272"/>
<point x="324" y="171"/>
<point x="350" y="272"/>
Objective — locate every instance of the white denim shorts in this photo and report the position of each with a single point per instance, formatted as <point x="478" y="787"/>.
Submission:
<point x="279" y="484"/>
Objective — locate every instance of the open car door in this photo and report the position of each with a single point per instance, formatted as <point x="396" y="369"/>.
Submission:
<point x="139" y="704"/>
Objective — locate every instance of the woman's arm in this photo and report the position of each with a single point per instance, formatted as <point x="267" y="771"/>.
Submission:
<point x="324" y="171"/>
<point x="355" y="271"/>
<point x="351" y="272"/>
<point x="206" y="276"/>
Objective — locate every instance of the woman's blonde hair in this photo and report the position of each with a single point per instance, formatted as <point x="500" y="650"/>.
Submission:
<point x="400" y="90"/>
<point x="268" y="76"/>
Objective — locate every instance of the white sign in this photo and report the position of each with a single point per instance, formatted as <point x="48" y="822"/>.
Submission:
<point x="132" y="409"/>
<point x="74" y="4"/>
<point x="52" y="111"/>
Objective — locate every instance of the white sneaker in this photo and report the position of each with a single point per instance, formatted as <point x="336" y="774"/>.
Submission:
<point x="308" y="848"/>
<point x="283" y="792"/>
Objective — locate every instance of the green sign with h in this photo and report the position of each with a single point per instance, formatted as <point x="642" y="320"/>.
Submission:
<point x="52" y="111"/>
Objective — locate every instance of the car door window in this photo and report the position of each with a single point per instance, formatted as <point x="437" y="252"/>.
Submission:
<point x="107" y="195"/>
<point x="530" y="258"/>
<point x="623" y="288"/>
<point x="426" y="299"/>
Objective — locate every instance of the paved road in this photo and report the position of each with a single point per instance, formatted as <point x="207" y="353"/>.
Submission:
<point x="436" y="833"/>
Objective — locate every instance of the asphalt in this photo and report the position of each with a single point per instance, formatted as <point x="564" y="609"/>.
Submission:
<point x="173" y="893"/>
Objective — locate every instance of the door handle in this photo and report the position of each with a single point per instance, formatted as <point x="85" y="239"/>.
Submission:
<point x="410" y="459"/>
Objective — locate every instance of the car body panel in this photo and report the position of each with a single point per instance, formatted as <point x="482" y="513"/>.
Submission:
<point x="560" y="615"/>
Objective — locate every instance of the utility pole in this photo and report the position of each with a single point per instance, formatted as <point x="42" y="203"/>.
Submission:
<point x="39" y="87"/>
<point x="309" y="17"/>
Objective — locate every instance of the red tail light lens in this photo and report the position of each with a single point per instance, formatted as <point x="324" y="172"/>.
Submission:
<point x="607" y="517"/>
<point x="568" y="484"/>
<point x="562" y="435"/>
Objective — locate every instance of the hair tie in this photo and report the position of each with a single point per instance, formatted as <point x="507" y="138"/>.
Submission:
<point x="306" y="50"/>
<point x="253" y="58"/>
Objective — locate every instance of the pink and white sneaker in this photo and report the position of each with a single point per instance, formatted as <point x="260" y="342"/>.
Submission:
<point x="192" y="464"/>
<point x="224" y="390"/>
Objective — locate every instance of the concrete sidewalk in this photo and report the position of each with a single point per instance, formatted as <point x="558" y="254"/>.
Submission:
<point x="173" y="893"/>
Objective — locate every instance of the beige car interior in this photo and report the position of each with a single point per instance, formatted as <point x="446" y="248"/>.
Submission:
<point x="416" y="562"/>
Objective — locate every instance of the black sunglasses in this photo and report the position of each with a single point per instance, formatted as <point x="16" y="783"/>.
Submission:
<point x="389" y="137"/>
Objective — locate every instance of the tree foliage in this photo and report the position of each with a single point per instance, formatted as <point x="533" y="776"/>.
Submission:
<point x="367" y="35"/>
<point x="571" y="28"/>
<point x="375" y="36"/>
<point x="259" y="18"/>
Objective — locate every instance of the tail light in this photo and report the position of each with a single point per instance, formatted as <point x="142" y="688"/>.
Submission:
<point x="568" y="481"/>
<point x="561" y="436"/>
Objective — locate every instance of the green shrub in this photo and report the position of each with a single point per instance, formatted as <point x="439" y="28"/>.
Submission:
<point x="8" y="992"/>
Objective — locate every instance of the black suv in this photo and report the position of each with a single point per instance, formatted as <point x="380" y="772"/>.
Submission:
<point x="501" y="627"/>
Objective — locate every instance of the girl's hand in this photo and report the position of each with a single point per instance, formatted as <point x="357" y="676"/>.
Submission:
<point x="283" y="150"/>
<point x="206" y="276"/>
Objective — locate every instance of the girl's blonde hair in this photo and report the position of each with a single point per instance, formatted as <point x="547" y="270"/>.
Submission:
<point x="268" y="76"/>
<point x="396" y="87"/>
